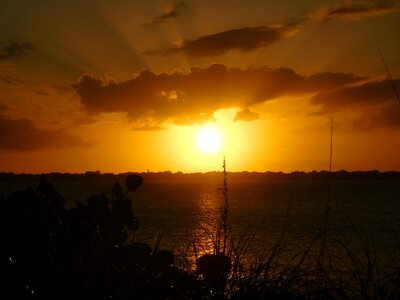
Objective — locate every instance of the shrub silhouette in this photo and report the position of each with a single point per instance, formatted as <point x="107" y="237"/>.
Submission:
<point x="49" y="252"/>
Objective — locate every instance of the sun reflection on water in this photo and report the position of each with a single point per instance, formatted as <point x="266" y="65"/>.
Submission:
<point x="204" y="235"/>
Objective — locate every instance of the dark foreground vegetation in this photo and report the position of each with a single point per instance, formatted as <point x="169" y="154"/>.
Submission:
<point x="87" y="252"/>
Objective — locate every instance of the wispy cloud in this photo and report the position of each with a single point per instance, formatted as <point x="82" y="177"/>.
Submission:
<point x="51" y="90"/>
<point x="356" y="10"/>
<point x="194" y="96"/>
<point x="251" y="38"/>
<point x="23" y="135"/>
<point x="246" y="115"/>
<point x="15" y="51"/>
<point x="172" y="10"/>
<point x="147" y="125"/>
<point x="242" y="39"/>
<point x="10" y="80"/>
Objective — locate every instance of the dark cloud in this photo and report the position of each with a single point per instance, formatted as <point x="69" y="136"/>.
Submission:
<point x="23" y="135"/>
<point x="242" y="39"/>
<point x="194" y="96"/>
<point x="246" y="115"/>
<point x="172" y="10"/>
<point x="370" y="93"/>
<point x="386" y="115"/>
<point x="15" y="51"/>
<point x="374" y="104"/>
<point x="351" y="10"/>
<point x="11" y="80"/>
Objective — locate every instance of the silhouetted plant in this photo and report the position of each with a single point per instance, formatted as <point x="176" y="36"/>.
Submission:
<point x="215" y="268"/>
<point x="49" y="252"/>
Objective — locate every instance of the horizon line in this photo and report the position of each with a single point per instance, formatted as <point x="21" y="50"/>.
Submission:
<point x="97" y="172"/>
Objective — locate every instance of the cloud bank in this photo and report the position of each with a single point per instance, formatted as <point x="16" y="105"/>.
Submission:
<point x="193" y="97"/>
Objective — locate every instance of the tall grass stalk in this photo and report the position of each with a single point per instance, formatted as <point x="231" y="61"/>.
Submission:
<point x="324" y="226"/>
<point x="221" y="237"/>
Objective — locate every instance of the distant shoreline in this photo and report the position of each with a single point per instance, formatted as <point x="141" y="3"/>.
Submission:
<point x="179" y="176"/>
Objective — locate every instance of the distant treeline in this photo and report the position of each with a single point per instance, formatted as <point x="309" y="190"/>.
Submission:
<point x="208" y="176"/>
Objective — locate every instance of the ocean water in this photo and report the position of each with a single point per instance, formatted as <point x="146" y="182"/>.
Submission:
<point x="362" y="213"/>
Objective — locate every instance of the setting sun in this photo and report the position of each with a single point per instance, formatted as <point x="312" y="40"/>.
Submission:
<point x="209" y="140"/>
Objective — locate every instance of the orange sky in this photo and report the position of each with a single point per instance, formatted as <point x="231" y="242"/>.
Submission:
<point x="122" y="86"/>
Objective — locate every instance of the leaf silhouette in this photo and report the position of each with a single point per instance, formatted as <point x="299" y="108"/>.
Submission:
<point x="133" y="182"/>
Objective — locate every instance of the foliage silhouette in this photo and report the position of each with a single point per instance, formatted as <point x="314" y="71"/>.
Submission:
<point x="49" y="252"/>
<point x="133" y="182"/>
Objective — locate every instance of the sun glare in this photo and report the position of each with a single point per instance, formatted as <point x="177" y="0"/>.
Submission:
<point x="209" y="140"/>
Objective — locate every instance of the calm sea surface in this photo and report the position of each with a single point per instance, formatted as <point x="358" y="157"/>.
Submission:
<point x="361" y="211"/>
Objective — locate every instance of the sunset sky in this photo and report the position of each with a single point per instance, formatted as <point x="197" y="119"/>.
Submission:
<point x="129" y="85"/>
